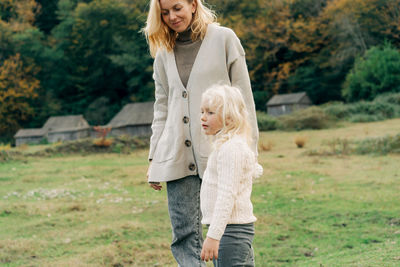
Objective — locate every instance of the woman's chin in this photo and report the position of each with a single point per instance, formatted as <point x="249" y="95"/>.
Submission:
<point x="179" y="28"/>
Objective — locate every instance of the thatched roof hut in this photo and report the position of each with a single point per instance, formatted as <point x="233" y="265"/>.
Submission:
<point x="66" y="128"/>
<point x="287" y="103"/>
<point x="57" y="123"/>
<point x="56" y="128"/>
<point x="134" y="119"/>
<point x="29" y="136"/>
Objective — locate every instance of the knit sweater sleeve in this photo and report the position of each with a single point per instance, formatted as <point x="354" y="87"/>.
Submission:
<point x="230" y="169"/>
<point x="160" y="105"/>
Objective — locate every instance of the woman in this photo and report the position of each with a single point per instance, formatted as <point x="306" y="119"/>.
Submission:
<point x="191" y="53"/>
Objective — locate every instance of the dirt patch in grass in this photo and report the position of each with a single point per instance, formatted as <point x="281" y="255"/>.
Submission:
<point x="18" y="249"/>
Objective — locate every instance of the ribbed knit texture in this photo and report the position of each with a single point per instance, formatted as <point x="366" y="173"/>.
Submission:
<point x="226" y="187"/>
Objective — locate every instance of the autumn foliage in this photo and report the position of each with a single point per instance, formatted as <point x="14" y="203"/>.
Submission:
<point x="308" y="45"/>
<point x="102" y="132"/>
<point x="18" y="87"/>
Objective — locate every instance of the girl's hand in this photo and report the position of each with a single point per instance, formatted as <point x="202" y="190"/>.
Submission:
<point x="210" y="249"/>
<point x="154" y="185"/>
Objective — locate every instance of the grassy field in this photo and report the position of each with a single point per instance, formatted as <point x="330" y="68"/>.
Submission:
<point x="97" y="210"/>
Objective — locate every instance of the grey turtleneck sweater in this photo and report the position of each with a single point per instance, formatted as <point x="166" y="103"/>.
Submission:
<point x="185" y="54"/>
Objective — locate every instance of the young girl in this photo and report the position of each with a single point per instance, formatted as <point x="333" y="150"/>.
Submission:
<point x="227" y="181"/>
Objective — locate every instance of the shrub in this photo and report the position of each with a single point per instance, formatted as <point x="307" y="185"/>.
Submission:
<point x="23" y="147"/>
<point x="310" y="118"/>
<point x="4" y="156"/>
<point x="391" y="98"/>
<point x="266" y="122"/>
<point x="377" y="108"/>
<point x="383" y="107"/>
<point x="44" y="141"/>
<point x="336" y="147"/>
<point x="383" y="145"/>
<point x="337" y="110"/>
<point x="5" y="147"/>
<point x="266" y="147"/>
<point x="118" y="148"/>
<point x="121" y="144"/>
<point x="339" y="147"/>
<point x="365" y="118"/>
<point x="300" y="141"/>
<point x="375" y="73"/>
<point x="9" y="155"/>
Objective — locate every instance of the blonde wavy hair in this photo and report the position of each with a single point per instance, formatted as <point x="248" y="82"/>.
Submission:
<point x="228" y="103"/>
<point x="159" y="35"/>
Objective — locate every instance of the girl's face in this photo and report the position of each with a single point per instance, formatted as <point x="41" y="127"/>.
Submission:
<point x="211" y="121"/>
<point x="177" y="14"/>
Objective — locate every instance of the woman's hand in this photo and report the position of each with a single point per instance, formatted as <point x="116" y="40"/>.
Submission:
<point x="210" y="249"/>
<point x="154" y="185"/>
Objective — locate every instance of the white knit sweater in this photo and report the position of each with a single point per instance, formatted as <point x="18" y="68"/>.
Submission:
<point x="226" y="186"/>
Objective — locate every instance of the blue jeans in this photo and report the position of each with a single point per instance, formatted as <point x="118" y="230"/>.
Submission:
<point x="235" y="247"/>
<point x="185" y="215"/>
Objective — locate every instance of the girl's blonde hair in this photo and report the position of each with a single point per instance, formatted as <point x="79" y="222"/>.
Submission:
<point x="159" y="35"/>
<point x="227" y="101"/>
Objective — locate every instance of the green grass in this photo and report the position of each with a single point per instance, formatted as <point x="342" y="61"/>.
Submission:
<point x="97" y="210"/>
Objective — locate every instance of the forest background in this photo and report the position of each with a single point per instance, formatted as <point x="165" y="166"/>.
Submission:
<point x="65" y="57"/>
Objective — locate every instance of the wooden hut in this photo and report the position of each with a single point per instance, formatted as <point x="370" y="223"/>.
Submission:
<point x="66" y="128"/>
<point x="29" y="136"/>
<point x="287" y="103"/>
<point x="134" y="120"/>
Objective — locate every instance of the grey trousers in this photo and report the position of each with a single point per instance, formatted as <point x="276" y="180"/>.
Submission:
<point x="235" y="247"/>
<point x="184" y="212"/>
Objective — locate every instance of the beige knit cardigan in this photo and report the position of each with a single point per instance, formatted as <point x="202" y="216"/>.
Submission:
<point x="178" y="147"/>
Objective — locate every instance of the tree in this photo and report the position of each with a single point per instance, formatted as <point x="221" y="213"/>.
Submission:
<point x="47" y="19"/>
<point x="307" y="45"/>
<point x="279" y="37"/>
<point x="15" y="17"/>
<point x="17" y="89"/>
<point x="6" y="45"/>
<point x="92" y="37"/>
<point x="19" y="36"/>
<point x="391" y="20"/>
<point x="375" y="73"/>
<point x="19" y="14"/>
<point x="137" y="63"/>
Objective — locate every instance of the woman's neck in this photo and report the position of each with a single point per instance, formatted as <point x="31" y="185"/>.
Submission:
<point x="185" y="36"/>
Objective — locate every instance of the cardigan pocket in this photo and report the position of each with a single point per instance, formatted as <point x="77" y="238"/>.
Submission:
<point x="166" y="148"/>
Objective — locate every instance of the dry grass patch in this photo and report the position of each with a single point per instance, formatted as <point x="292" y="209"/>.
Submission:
<point x="266" y="146"/>
<point x="300" y="141"/>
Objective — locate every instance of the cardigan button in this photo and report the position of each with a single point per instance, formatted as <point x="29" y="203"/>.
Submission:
<point x="184" y="94"/>
<point x="192" y="167"/>
<point x="185" y="119"/>
<point x="188" y="143"/>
